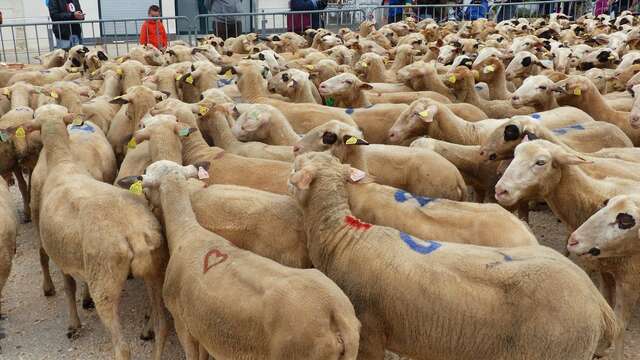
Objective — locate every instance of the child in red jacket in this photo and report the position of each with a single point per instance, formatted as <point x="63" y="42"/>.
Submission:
<point x="152" y="31"/>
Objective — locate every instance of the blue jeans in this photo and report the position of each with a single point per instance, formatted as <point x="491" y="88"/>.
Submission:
<point x="68" y="43"/>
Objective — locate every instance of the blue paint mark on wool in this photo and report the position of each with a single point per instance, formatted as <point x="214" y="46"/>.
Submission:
<point x="564" y="130"/>
<point x="402" y="196"/>
<point x="536" y="116"/>
<point x="349" y="111"/>
<point x="420" y="246"/>
<point x="85" y="127"/>
<point x="506" y="257"/>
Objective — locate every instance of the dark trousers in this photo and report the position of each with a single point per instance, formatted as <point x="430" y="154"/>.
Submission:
<point x="227" y="30"/>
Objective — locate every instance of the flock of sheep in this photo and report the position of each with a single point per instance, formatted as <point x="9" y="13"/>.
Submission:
<point x="332" y="195"/>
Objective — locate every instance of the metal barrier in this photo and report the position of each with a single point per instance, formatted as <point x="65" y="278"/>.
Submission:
<point x="264" y="23"/>
<point x="440" y="12"/>
<point x="506" y="10"/>
<point x="21" y="43"/>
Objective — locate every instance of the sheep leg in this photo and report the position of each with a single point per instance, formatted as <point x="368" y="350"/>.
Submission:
<point x="618" y="342"/>
<point x="47" y="283"/>
<point x="106" y="295"/>
<point x="188" y="342"/>
<point x="87" y="301"/>
<point x="371" y="339"/>
<point x="204" y="355"/>
<point x="154" y="289"/>
<point x="74" y="320"/>
<point x="24" y="190"/>
<point x="5" y="270"/>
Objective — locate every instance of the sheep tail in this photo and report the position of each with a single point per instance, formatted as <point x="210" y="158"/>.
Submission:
<point x="610" y="324"/>
<point x="347" y="337"/>
<point x="142" y="262"/>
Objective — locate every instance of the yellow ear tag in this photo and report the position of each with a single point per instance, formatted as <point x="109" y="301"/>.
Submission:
<point x="20" y="133"/>
<point x="136" y="188"/>
<point x="119" y="71"/>
<point x="120" y="60"/>
<point x="6" y="91"/>
<point x="73" y="70"/>
<point x="364" y="64"/>
<point x="611" y="57"/>
<point x="203" y="110"/>
<point x="424" y="113"/>
<point x="577" y="92"/>
<point x="178" y="77"/>
<point x="489" y="69"/>
<point x="94" y="72"/>
<point x="54" y="94"/>
<point x="132" y="143"/>
<point x="310" y="67"/>
<point x="189" y="79"/>
<point x="228" y="74"/>
<point x="77" y="122"/>
<point x="452" y="79"/>
<point x="351" y="141"/>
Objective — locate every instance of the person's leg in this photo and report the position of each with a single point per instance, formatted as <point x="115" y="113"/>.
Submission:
<point x="63" y="44"/>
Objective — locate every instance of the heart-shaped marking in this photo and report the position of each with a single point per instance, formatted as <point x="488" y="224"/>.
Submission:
<point x="212" y="258"/>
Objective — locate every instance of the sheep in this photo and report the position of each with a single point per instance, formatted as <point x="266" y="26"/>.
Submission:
<point x="317" y="188"/>
<point x="68" y="94"/>
<point x="414" y="168"/>
<point x="39" y="77"/>
<point x="462" y="82"/>
<point x="55" y="58"/>
<point x="581" y="93"/>
<point x="90" y="150"/>
<point x="372" y="68"/>
<point x="146" y="54"/>
<point x="139" y="100"/>
<point x="332" y="335"/>
<point x="535" y="91"/>
<point x="574" y="194"/>
<point x="492" y="72"/>
<point x="99" y="110"/>
<point x="220" y="132"/>
<point x="93" y="60"/>
<point x="8" y="231"/>
<point x="296" y="85"/>
<point x="523" y="65"/>
<point x="303" y="117"/>
<point x="422" y="76"/>
<point x="589" y="136"/>
<point x="131" y="72"/>
<point x="271" y="127"/>
<point x="106" y="234"/>
<point x="229" y="168"/>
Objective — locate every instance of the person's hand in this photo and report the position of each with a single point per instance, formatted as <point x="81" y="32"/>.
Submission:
<point x="78" y="15"/>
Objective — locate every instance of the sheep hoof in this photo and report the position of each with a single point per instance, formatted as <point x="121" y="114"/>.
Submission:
<point x="49" y="292"/>
<point x="147" y="337"/>
<point x="88" y="304"/>
<point x="73" y="333"/>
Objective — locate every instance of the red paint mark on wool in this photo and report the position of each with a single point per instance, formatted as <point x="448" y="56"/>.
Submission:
<point x="212" y="258"/>
<point x="356" y="223"/>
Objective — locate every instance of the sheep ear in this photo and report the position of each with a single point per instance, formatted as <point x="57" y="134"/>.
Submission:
<point x="127" y="181"/>
<point x="202" y="164"/>
<point x="119" y="100"/>
<point x="302" y="178"/>
<point x="102" y="56"/>
<point x="565" y="158"/>
<point x="366" y="86"/>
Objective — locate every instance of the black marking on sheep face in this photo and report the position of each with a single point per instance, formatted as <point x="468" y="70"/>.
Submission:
<point x="625" y="221"/>
<point x="526" y="61"/>
<point x="467" y="62"/>
<point x="530" y="135"/>
<point x="594" y="251"/>
<point x="511" y="133"/>
<point x="547" y="34"/>
<point x="547" y="45"/>
<point x="586" y="66"/>
<point x="578" y="30"/>
<point x="603" y="57"/>
<point x="329" y="138"/>
<point x="102" y="56"/>
<point x="624" y="21"/>
<point x="500" y="39"/>
<point x="275" y="38"/>
<point x="285" y="77"/>
<point x="261" y="57"/>
<point x="75" y="62"/>
<point x="635" y="62"/>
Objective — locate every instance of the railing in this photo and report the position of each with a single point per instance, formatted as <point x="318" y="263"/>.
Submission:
<point x="439" y="12"/>
<point x="533" y="9"/>
<point x="264" y="23"/>
<point x="22" y="42"/>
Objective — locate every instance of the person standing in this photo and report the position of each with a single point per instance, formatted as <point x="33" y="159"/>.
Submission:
<point x="225" y="26"/>
<point x="67" y="35"/>
<point x="300" y="22"/>
<point x="152" y="31"/>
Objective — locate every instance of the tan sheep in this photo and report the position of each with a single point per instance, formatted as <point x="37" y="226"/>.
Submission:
<point x="581" y="93"/>
<point x="296" y="85"/>
<point x="324" y="326"/>
<point x="271" y="127"/>
<point x="400" y="320"/>
<point x="8" y="231"/>
<point x="492" y="72"/>
<point x="414" y="169"/>
<point x="106" y="234"/>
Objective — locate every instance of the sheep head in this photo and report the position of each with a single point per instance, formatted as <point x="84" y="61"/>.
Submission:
<point x="534" y="171"/>
<point x="253" y="124"/>
<point x="532" y="91"/>
<point x="414" y="121"/>
<point x="345" y="84"/>
<point x="612" y="231"/>
<point x="338" y="138"/>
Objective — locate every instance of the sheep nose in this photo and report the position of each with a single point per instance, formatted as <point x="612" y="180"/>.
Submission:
<point x="482" y="152"/>
<point x="297" y="148"/>
<point x="493" y="157"/>
<point x="515" y="98"/>
<point x="572" y="241"/>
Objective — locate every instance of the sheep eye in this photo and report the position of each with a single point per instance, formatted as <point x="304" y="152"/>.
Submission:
<point x="625" y="221"/>
<point x="348" y="82"/>
<point x="540" y="163"/>
<point x="329" y="138"/>
<point x="542" y="87"/>
<point x="526" y="44"/>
